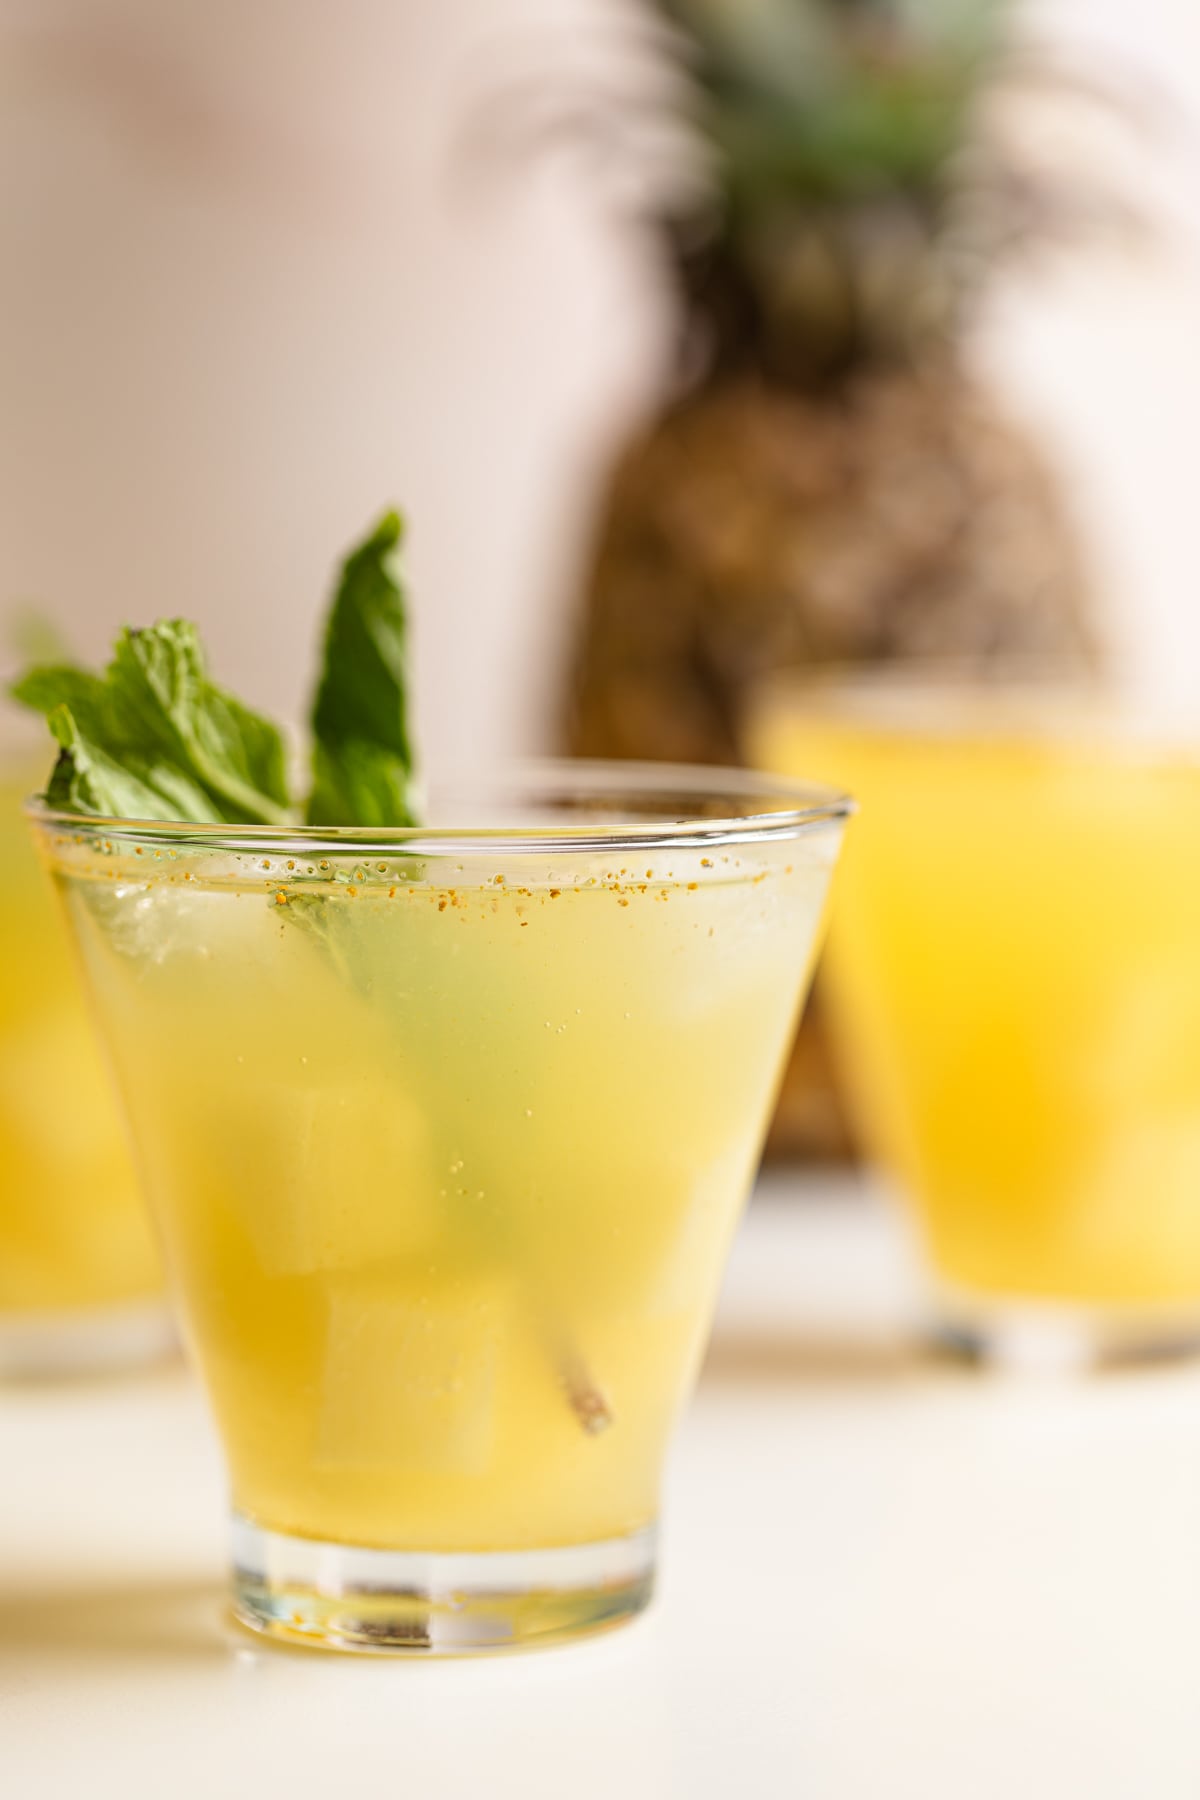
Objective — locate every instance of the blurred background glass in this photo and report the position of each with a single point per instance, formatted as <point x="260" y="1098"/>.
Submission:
<point x="79" y="1277"/>
<point x="1014" y="979"/>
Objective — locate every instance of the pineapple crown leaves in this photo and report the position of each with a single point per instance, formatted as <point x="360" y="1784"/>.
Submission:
<point x="835" y="98"/>
<point x="824" y="97"/>
<point x="828" y="175"/>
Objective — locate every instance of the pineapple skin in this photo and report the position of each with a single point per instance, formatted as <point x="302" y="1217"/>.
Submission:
<point x="754" y="530"/>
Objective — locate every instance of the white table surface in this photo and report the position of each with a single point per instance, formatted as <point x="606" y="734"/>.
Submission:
<point x="883" y="1576"/>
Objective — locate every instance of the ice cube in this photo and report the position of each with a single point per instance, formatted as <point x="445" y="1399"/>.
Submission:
<point x="412" y="1373"/>
<point x="325" y="1176"/>
<point x="163" y="920"/>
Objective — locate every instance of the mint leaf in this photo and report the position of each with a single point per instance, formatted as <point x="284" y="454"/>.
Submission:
<point x="86" y="779"/>
<point x="185" y="748"/>
<point x="154" y="737"/>
<point x="44" y="689"/>
<point x="160" y="686"/>
<point x="362" y="752"/>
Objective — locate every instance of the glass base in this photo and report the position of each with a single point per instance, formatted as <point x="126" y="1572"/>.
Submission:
<point x="434" y="1603"/>
<point x="1059" y="1338"/>
<point x="85" y="1341"/>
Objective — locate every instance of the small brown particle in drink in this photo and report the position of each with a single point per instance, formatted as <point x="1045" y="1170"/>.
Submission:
<point x="585" y="1399"/>
<point x="391" y="893"/>
<point x="281" y="898"/>
<point x="441" y="906"/>
<point x="353" y="892"/>
<point x="706" y="862"/>
<point x="692" y="886"/>
<point x="555" y="892"/>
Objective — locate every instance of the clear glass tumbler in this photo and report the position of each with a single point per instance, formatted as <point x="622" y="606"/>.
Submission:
<point x="446" y="1132"/>
<point x="1015" y="985"/>
<point x="80" y="1284"/>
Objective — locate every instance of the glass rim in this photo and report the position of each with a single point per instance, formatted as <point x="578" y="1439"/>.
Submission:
<point x="803" y="807"/>
<point x="946" y="679"/>
<point x="940" y="701"/>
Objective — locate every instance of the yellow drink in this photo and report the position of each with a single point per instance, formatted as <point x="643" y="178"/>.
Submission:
<point x="446" y="1152"/>
<point x="73" y="1234"/>
<point x="1016" y="975"/>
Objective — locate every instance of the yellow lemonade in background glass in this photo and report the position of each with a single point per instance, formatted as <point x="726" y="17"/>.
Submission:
<point x="1015" y="979"/>
<point x="78" y="1273"/>
<point x="446" y="1136"/>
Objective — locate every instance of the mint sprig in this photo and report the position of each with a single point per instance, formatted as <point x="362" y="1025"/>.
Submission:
<point x="154" y="737"/>
<point x="362" y="750"/>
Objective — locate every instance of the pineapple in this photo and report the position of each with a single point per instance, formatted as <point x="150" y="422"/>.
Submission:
<point x="828" y="483"/>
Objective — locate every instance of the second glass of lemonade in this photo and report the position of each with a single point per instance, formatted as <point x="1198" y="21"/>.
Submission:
<point x="80" y="1285"/>
<point x="1015" y="985"/>
<point x="446" y="1132"/>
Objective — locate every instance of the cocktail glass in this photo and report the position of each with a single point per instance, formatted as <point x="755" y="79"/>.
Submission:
<point x="1014" y="978"/>
<point x="80" y="1285"/>
<point x="446" y="1132"/>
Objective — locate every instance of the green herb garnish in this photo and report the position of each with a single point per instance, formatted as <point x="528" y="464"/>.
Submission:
<point x="154" y="737"/>
<point x="362" y="756"/>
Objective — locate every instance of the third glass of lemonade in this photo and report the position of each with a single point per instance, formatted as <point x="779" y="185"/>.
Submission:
<point x="447" y="1131"/>
<point x="1015" y="987"/>
<point x="80" y="1285"/>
